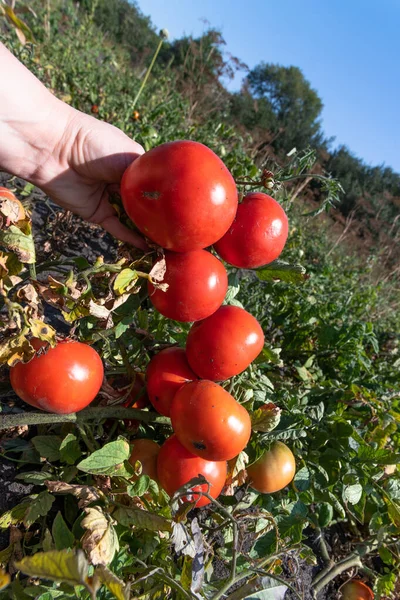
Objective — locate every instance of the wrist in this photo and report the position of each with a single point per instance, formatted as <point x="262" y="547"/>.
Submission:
<point x="31" y="140"/>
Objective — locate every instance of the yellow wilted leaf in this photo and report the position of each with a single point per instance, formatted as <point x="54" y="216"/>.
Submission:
<point x="100" y="540"/>
<point x="58" y="565"/>
<point x="125" y="280"/>
<point x="15" y="349"/>
<point x="5" y="579"/>
<point x="43" y="331"/>
<point x="113" y="583"/>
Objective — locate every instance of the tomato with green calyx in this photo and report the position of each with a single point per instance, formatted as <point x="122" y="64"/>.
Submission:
<point x="145" y="452"/>
<point x="197" y="284"/>
<point x="63" y="380"/>
<point x="176" y="466"/>
<point x="356" y="590"/>
<point x="166" y="373"/>
<point x="209" y="422"/>
<point x="274" y="470"/>
<point x="180" y="195"/>
<point x="224" y="344"/>
<point x="258" y="234"/>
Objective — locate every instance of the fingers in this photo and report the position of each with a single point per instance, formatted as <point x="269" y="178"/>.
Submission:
<point x="114" y="226"/>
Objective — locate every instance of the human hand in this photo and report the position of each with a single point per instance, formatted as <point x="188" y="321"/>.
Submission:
<point x="86" y="165"/>
<point x="76" y="159"/>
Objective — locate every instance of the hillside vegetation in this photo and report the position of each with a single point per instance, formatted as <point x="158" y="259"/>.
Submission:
<point x="326" y="382"/>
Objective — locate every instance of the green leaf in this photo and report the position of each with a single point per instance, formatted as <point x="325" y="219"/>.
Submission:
<point x="125" y="281"/>
<point x="282" y="271"/>
<point x="70" y="450"/>
<point x="368" y="455"/>
<point x="325" y="514"/>
<point x="352" y="493"/>
<point x="141" y="518"/>
<point x="139" y="487"/>
<point x="48" y="446"/>
<point x="18" y="242"/>
<point x="38" y="507"/>
<point x="35" y="477"/>
<point x="108" y="460"/>
<point x="269" y="354"/>
<point x="302" y="479"/>
<point x="63" y="537"/>
<point x="63" y="566"/>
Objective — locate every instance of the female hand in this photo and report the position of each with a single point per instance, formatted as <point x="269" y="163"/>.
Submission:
<point x="76" y="159"/>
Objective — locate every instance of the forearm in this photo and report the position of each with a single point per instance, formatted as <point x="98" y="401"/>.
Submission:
<point x="32" y="121"/>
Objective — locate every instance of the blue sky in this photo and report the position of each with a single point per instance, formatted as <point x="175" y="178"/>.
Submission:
<point x="349" y="50"/>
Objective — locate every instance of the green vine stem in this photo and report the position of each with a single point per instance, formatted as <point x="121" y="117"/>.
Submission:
<point x="320" y="582"/>
<point x="88" y="414"/>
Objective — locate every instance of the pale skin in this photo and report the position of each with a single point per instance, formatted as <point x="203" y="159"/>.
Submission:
<point x="76" y="159"/>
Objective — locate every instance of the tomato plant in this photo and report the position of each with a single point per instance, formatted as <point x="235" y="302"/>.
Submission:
<point x="356" y="590"/>
<point x="63" y="380"/>
<point x="177" y="466"/>
<point x="197" y="284"/>
<point x="273" y="470"/>
<point x="166" y="373"/>
<point x="209" y="422"/>
<point x="145" y="451"/>
<point x="258" y="234"/>
<point x="180" y="195"/>
<point x="224" y="344"/>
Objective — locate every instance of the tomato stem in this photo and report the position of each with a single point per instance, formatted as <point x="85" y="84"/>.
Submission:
<point x="88" y="414"/>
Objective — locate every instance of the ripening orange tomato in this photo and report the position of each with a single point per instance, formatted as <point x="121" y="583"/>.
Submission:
<point x="258" y="234"/>
<point x="180" y="195"/>
<point x="166" y="373"/>
<point x="356" y="590"/>
<point x="197" y="284"/>
<point x="63" y="380"/>
<point x="146" y="452"/>
<point x="274" y="470"/>
<point x="177" y="466"/>
<point x="224" y="344"/>
<point x="209" y="422"/>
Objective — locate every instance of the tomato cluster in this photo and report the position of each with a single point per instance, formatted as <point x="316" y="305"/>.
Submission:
<point x="182" y="197"/>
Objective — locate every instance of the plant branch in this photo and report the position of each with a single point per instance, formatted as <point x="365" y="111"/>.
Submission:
<point x="320" y="582"/>
<point x="88" y="414"/>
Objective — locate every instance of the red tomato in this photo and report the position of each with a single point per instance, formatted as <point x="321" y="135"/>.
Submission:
<point x="356" y="590"/>
<point x="176" y="466"/>
<point x="64" y="380"/>
<point x="166" y="373"/>
<point x="146" y="452"/>
<point x="180" y="195"/>
<point x="197" y="284"/>
<point x="224" y="344"/>
<point x="258" y="234"/>
<point x="274" y="470"/>
<point x="209" y="422"/>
